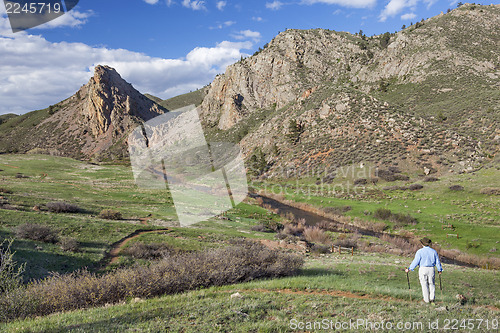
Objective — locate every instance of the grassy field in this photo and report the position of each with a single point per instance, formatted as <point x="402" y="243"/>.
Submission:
<point x="366" y="286"/>
<point x="474" y="215"/>
<point x="94" y="188"/>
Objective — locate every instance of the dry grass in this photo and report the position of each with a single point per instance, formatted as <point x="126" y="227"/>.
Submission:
<point x="317" y="235"/>
<point x="243" y="261"/>
<point x="36" y="232"/>
<point x="62" y="207"/>
<point x="110" y="214"/>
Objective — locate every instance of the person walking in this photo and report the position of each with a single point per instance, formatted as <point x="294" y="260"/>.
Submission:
<point x="426" y="258"/>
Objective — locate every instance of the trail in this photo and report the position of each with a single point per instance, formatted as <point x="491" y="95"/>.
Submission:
<point x="350" y="295"/>
<point x="312" y="219"/>
<point x="112" y="255"/>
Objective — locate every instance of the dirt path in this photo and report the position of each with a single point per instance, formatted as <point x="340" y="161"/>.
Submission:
<point x="348" y="294"/>
<point x="112" y="256"/>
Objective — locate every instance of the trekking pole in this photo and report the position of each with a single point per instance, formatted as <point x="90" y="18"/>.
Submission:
<point x="408" y="279"/>
<point x="440" y="286"/>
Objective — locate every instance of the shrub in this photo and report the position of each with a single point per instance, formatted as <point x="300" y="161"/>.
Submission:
<point x="110" y="214"/>
<point x="69" y="244"/>
<point x="456" y="188"/>
<point x="240" y="262"/>
<point x="320" y="249"/>
<point x="403" y="219"/>
<point x="431" y="179"/>
<point x="151" y="251"/>
<point x="293" y="229"/>
<point x="361" y="181"/>
<point x="10" y="273"/>
<point x="490" y="190"/>
<point x="337" y="210"/>
<point x="316" y="235"/>
<point x="62" y="207"/>
<point x="36" y="232"/>
<point x="259" y="228"/>
<point x="382" y="214"/>
<point x="416" y="187"/>
<point x="348" y="241"/>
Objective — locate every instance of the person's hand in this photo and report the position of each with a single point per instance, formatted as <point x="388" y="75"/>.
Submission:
<point x="440" y="272"/>
<point x="407" y="270"/>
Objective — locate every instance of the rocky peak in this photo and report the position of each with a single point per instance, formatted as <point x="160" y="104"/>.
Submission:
<point x="109" y="99"/>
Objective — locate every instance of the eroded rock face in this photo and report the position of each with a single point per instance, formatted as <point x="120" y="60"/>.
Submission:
<point x="95" y="122"/>
<point x="110" y="100"/>
<point x="362" y="98"/>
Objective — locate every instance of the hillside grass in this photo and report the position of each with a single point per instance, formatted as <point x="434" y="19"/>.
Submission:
<point x="474" y="215"/>
<point x="92" y="188"/>
<point x="366" y="286"/>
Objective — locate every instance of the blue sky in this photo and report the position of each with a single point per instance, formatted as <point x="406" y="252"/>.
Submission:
<point x="168" y="47"/>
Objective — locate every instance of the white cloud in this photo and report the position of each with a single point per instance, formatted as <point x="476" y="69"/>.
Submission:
<point x="257" y="19"/>
<point x="344" y="3"/>
<point x="274" y="5"/>
<point x="408" y="16"/>
<point x="395" y="7"/>
<point x="223" y="25"/>
<point x="170" y="3"/>
<point x="194" y="4"/>
<point x="248" y="34"/>
<point x="71" y="19"/>
<point x="151" y="2"/>
<point x="221" y="4"/>
<point x="35" y="73"/>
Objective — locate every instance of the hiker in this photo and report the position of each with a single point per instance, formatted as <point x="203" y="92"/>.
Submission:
<point x="426" y="258"/>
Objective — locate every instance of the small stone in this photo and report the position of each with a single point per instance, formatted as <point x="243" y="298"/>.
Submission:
<point x="236" y="295"/>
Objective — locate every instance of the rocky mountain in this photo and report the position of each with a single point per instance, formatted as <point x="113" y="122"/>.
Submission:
<point x="425" y="98"/>
<point x="93" y="123"/>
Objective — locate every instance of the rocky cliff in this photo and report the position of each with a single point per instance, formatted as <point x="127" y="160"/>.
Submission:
<point x="93" y="123"/>
<point x="425" y="98"/>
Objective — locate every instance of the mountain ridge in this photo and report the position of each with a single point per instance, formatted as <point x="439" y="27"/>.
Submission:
<point x="425" y="98"/>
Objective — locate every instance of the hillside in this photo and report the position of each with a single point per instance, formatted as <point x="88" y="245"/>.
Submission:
<point x="91" y="124"/>
<point x="425" y="97"/>
<point x="192" y="98"/>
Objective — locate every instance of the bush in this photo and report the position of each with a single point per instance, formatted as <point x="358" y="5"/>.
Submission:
<point x="361" y="181"/>
<point x="316" y="235"/>
<point x="69" y="244"/>
<point x="259" y="228"/>
<point x="241" y="262"/>
<point x="36" y="232"/>
<point x="456" y="188"/>
<point x="490" y="190"/>
<point x="110" y="214"/>
<point x="416" y="187"/>
<point x="62" y="207"/>
<point x="398" y="218"/>
<point x="382" y="214"/>
<point x="293" y="229"/>
<point x="151" y="251"/>
<point x="320" y="249"/>
<point x="431" y="179"/>
<point x="403" y="219"/>
<point x="348" y="241"/>
<point x="337" y="210"/>
<point x="10" y="273"/>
